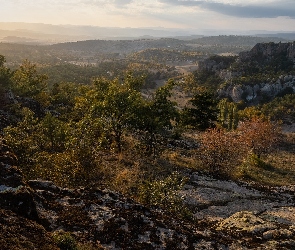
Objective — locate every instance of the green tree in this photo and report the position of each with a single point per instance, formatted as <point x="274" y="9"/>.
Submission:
<point x="65" y="96"/>
<point x="53" y="133"/>
<point x="5" y="74"/>
<point x="115" y="103"/>
<point x="228" y="114"/>
<point x="155" y="117"/>
<point x="207" y="79"/>
<point x="201" y="112"/>
<point x="28" y="83"/>
<point x="23" y="138"/>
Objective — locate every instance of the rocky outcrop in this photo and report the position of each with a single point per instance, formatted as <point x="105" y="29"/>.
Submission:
<point x="19" y="220"/>
<point x="252" y="92"/>
<point x="227" y="215"/>
<point x="279" y="57"/>
<point x="250" y="218"/>
<point x="102" y="217"/>
<point x="270" y="50"/>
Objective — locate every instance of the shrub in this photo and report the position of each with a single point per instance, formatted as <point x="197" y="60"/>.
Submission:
<point x="65" y="241"/>
<point x="259" y="136"/>
<point x="164" y="193"/>
<point x="219" y="151"/>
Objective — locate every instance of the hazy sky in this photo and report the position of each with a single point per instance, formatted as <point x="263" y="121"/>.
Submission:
<point x="278" y="15"/>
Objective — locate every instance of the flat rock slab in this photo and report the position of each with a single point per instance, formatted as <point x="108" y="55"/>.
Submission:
<point x="215" y="200"/>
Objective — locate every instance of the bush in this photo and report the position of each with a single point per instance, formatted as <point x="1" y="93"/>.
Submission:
<point x="65" y="241"/>
<point x="164" y="193"/>
<point x="259" y="136"/>
<point x="220" y="150"/>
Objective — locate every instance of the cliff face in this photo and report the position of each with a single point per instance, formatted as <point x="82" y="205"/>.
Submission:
<point x="252" y="93"/>
<point x="269" y="50"/>
<point x="265" y="56"/>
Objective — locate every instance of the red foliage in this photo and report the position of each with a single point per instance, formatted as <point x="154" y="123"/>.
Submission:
<point x="221" y="151"/>
<point x="259" y="136"/>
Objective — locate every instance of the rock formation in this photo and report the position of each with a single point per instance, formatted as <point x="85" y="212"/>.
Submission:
<point x="250" y="92"/>
<point x="269" y="50"/>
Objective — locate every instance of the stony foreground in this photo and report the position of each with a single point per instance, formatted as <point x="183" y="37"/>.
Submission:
<point x="228" y="215"/>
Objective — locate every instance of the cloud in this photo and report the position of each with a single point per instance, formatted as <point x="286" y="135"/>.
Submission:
<point x="123" y="2"/>
<point x="255" y="10"/>
<point x="118" y="3"/>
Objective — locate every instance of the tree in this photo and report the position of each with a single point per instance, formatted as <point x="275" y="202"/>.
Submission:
<point x="207" y="79"/>
<point x="228" y="114"/>
<point x="115" y="103"/>
<point x="53" y="133"/>
<point x="155" y="117"/>
<point x="23" y="138"/>
<point x="202" y="112"/>
<point x="220" y="151"/>
<point x="28" y="83"/>
<point x="5" y="76"/>
<point x="259" y="136"/>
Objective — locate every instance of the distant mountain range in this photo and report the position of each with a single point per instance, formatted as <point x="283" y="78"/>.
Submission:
<point x="46" y="33"/>
<point x="38" y="33"/>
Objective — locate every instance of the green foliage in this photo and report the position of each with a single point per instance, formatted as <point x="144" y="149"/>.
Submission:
<point x="27" y="82"/>
<point x="66" y="72"/>
<point x="280" y="63"/>
<point x="163" y="108"/>
<point x="115" y="103"/>
<point x="64" y="168"/>
<point x="155" y="118"/>
<point x="259" y="68"/>
<point x="164" y="193"/>
<point x="63" y="146"/>
<point x="226" y="61"/>
<point x="203" y="111"/>
<point x="206" y="79"/>
<point x="254" y="161"/>
<point x="253" y="168"/>
<point x="24" y="138"/>
<point x="54" y="133"/>
<point x="5" y="75"/>
<point x="281" y="108"/>
<point x="228" y="114"/>
<point x="87" y="137"/>
<point x="250" y="113"/>
<point x="65" y="241"/>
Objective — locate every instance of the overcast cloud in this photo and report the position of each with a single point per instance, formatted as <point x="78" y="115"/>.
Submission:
<point x="277" y="15"/>
<point x="257" y="9"/>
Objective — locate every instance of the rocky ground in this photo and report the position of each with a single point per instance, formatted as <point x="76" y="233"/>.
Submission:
<point x="228" y="215"/>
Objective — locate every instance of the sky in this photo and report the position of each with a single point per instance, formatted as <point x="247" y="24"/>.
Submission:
<point x="238" y="15"/>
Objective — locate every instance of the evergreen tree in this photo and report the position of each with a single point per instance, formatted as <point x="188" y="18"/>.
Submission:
<point x="228" y="114"/>
<point x="201" y="112"/>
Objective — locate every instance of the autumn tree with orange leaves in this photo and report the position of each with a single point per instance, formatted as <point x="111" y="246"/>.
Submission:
<point x="259" y="136"/>
<point x="221" y="151"/>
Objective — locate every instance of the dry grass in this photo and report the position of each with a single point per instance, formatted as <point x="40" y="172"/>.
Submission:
<point x="127" y="171"/>
<point x="275" y="169"/>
